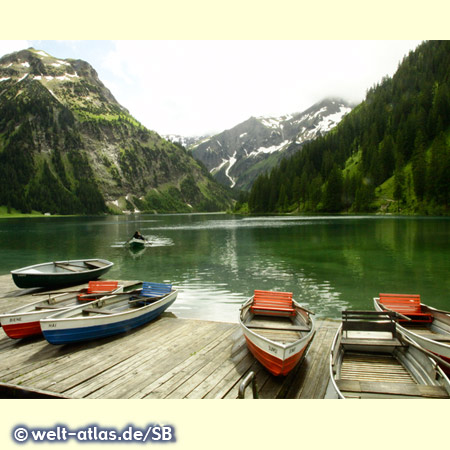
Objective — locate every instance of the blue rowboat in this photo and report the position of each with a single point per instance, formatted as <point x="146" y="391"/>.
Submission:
<point x="109" y="315"/>
<point x="60" y="273"/>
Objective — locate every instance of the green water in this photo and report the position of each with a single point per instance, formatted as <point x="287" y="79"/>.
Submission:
<point x="217" y="260"/>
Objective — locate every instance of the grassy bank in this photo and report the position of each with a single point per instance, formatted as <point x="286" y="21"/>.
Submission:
<point x="11" y="213"/>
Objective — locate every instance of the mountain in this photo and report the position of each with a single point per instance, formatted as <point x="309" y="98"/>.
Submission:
<point x="390" y="154"/>
<point x="67" y="146"/>
<point x="185" y="141"/>
<point x="237" y="156"/>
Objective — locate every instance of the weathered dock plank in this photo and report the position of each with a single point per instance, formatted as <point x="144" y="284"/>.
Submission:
<point x="312" y="380"/>
<point x="157" y="379"/>
<point x="168" y="358"/>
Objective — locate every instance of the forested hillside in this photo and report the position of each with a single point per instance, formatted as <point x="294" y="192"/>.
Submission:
<point x="390" y="154"/>
<point x="68" y="147"/>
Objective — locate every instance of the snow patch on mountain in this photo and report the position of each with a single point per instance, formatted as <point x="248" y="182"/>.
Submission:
<point x="332" y="120"/>
<point x="268" y="150"/>
<point x="269" y="122"/>
<point x="232" y="162"/>
<point x="216" y="169"/>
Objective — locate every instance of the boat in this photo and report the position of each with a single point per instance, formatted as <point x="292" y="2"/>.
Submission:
<point x="25" y="321"/>
<point x="137" y="243"/>
<point x="277" y="330"/>
<point x="110" y="315"/>
<point x="60" y="273"/>
<point x="425" y="325"/>
<point x="370" y="359"/>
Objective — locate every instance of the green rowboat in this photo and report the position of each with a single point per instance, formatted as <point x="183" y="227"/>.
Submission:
<point x="60" y="273"/>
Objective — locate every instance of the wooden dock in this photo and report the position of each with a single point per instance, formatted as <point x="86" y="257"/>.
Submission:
<point x="168" y="358"/>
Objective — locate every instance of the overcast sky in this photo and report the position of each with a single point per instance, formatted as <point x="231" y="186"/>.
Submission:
<point x="197" y="87"/>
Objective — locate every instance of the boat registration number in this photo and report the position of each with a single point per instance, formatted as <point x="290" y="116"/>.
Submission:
<point x="15" y="319"/>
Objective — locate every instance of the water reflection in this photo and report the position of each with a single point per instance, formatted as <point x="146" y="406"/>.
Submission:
<point x="329" y="263"/>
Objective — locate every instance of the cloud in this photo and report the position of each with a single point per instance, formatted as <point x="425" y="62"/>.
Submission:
<point x="7" y="47"/>
<point x="190" y="87"/>
<point x="194" y="87"/>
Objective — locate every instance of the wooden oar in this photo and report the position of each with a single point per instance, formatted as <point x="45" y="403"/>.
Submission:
<point x="106" y="294"/>
<point x="146" y="241"/>
<point x="88" y="295"/>
<point x="401" y="316"/>
<point x="439" y="311"/>
<point x="437" y="358"/>
<point x="308" y="311"/>
<point x="79" y="291"/>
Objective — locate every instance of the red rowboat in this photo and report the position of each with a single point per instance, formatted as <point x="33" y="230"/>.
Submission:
<point x="277" y="330"/>
<point x="25" y="321"/>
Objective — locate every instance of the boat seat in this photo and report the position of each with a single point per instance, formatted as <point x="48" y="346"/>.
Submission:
<point x="408" y="305"/>
<point x="368" y="342"/>
<point x="273" y="303"/>
<point x="95" y="264"/>
<point x="390" y="389"/>
<point x="71" y="267"/>
<point x="95" y="287"/>
<point x="151" y="289"/>
<point x="98" y="287"/>
<point x="368" y="322"/>
<point x="150" y="292"/>
<point x="288" y="328"/>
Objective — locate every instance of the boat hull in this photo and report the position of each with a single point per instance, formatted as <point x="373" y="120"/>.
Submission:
<point x="277" y="357"/>
<point x="24" y="321"/>
<point x="34" y="276"/>
<point x="136" y="243"/>
<point x="274" y="364"/>
<point x="65" y="331"/>
<point x="22" y="330"/>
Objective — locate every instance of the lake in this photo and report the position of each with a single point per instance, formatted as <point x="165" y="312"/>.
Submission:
<point x="217" y="260"/>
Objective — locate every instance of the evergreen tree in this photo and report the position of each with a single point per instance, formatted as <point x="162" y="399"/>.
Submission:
<point x="332" y="200"/>
<point x="439" y="170"/>
<point x="399" y="184"/>
<point x="282" y="204"/>
<point x="296" y="190"/>
<point x="315" y="193"/>
<point x="419" y="168"/>
<point x="364" y="196"/>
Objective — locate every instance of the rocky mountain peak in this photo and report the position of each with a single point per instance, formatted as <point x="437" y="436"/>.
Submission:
<point x="237" y="156"/>
<point x="71" y="82"/>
